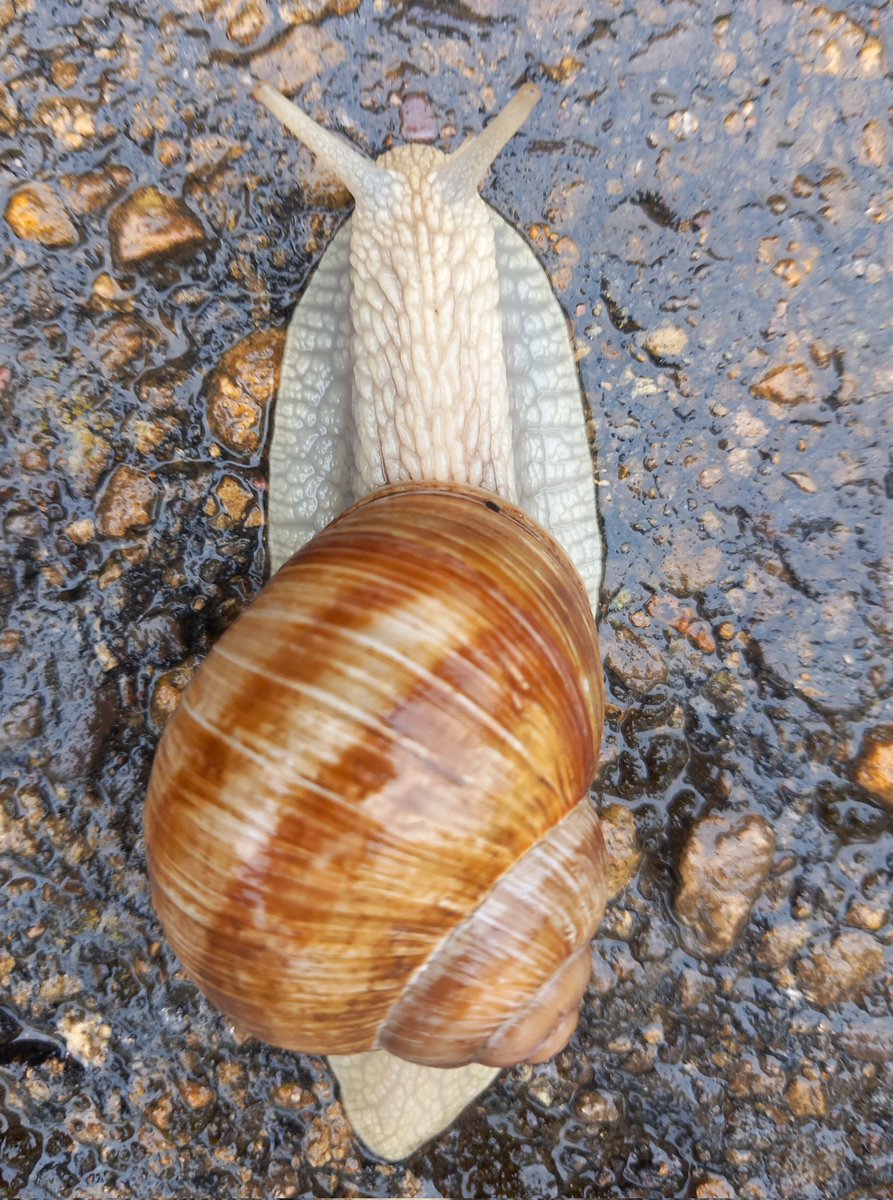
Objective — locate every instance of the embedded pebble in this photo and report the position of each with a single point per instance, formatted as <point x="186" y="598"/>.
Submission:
<point x="756" y="1076"/>
<point x="149" y="227"/>
<point x="87" y="1037"/>
<point x="666" y="342"/>
<point x="874" y="145"/>
<point x="841" y="968"/>
<point x="844" y="46"/>
<point x="36" y="214"/>
<point x="329" y="1138"/>
<point x="88" y="458"/>
<point x="234" y="497"/>
<point x="683" y="125"/>
<point x="291" y="1095"/>
<point x="542" y="1090"/>
<point x="121" y="344"/>
<point x="873" y="769"/>
<point x="72" y="121"/>
<point x="792" y="383"/>
<point x="299" y="12"/>
<point x="723" y="867"/>
<point x="9" y="113"/>
<point x="23" y="720"/>
<point x="803" y="480"/>
<point x="249" y="22"/>
<point x="195" y="1094"/>
<point x="167" y="692"/>
<point x="243" y="384"/>
<point x="866" y="916"/>
<point x="710" y="477"/>
<point x="128" y="502"/>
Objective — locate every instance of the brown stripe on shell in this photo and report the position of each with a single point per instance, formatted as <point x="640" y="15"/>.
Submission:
<point x="412" y="702"/>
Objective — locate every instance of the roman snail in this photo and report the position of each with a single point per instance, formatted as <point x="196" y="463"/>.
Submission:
<point x="368" y="826"/>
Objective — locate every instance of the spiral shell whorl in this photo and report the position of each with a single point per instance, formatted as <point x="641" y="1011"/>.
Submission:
<point x="333" y="860"/>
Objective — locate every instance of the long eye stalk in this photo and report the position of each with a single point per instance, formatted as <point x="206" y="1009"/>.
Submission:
<point x="467" y="166"/>
<point x="364" y="180"/>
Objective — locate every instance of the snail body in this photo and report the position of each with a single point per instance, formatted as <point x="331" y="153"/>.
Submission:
<point x="368" y="825"/>
<point x="490" y="334"/>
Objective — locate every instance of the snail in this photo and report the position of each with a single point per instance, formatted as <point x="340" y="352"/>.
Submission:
<point x="368" y="827"/>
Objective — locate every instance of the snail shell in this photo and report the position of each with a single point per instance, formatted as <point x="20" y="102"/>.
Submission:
<point x="392" y="846"/>
<point x="367" y="824"/>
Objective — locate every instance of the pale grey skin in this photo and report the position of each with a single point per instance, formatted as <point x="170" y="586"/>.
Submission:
<point x="428" y="345"/>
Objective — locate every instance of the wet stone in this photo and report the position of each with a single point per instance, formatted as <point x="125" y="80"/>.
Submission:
<point x="715" y="1188"/>
<point x="150" y="227"/>
<point x="841" y="968"/>
<point x="167" y="692"/>
<point x="598" y="1107"/>
<point x="37" y="214"/>
<point x="622" y="845"/>
<point x="722" y="869"/>
<point x="418" y="120"/>
<point x="94" y="190"/>
<point x="303" y="54"/>
<point x="24" y="720"/>
<point x="635" y="662"/>
<point x="71" y="121"/>
<point x="873" y="769"/>
<point x="806" y="1097"/>
<point x="128" y="502"/>
<point x="781" y="942"/>
<point x="242" y="386"/>
<point x="869" y="1039"/>
<point x="692" y="565"/>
